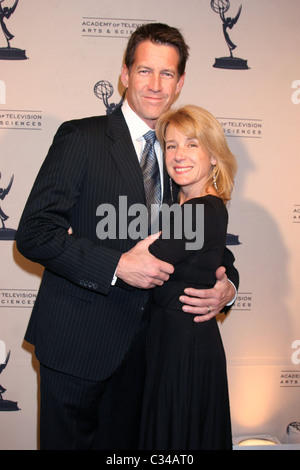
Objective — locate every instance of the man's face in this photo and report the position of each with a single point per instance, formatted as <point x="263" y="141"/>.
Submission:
<point x="153" y="81"/>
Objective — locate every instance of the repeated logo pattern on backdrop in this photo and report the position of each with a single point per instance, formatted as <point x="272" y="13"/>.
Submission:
<point x="228" y="23"/>
<point x="9" y="52"/>
<point x="5" y="405"/>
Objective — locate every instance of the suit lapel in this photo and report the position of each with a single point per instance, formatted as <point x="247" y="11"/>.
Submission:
<point x="123" y="152"/>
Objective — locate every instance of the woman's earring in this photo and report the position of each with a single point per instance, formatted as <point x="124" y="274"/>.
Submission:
<point x="215" y="181"/>
<point x="171" y="189"/>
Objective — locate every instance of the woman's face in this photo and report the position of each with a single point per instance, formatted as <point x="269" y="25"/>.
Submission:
<point x="187" y="162"/>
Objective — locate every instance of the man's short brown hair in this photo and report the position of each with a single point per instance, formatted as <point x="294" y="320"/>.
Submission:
<point x="158" y="33"/>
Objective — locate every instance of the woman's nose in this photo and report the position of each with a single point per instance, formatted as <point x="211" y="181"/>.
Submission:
<point x="179" y="155"/>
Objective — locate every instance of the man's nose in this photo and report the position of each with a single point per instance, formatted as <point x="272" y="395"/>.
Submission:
<point x="155" y="82"/>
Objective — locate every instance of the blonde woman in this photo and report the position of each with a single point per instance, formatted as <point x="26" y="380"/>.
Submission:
<point x="186" y="403"/>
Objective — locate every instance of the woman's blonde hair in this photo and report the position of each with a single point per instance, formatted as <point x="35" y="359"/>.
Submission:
<point x="196" y="122"/>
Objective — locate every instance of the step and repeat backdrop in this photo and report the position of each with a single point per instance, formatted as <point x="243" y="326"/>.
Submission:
<point x="61" y="59"/>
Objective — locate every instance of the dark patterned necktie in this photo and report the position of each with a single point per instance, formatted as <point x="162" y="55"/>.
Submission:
<point x="151" y="176"/>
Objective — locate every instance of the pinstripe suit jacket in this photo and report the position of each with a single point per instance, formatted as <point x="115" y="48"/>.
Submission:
<point x="80" y="324"/>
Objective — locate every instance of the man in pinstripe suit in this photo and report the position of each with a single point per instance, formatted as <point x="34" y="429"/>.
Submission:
<point x="89" y="322"/>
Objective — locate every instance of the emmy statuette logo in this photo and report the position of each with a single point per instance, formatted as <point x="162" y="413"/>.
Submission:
<point x="5" y="233"/>
<point x="104" y="90"/>
<point x="5" y="405"/>
<point x="9" y="53"/>
<point x="230" y="62"/>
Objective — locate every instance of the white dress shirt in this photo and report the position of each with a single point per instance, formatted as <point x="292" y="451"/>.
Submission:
<point x="138" y="128"/>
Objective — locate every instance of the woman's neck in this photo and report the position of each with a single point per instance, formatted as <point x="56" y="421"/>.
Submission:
<point x="186" y="196"/>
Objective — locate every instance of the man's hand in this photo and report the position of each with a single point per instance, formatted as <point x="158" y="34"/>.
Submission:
<point x="208" y="302"/>
<point x="139" y="268"/>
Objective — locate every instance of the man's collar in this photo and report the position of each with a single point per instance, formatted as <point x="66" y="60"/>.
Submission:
<point x="137" y="127"/>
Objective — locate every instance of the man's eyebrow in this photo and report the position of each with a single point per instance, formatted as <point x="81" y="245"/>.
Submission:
<point x="141" y="66"/>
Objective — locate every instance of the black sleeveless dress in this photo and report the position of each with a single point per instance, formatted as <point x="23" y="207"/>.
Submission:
<point x="186" y="403"/>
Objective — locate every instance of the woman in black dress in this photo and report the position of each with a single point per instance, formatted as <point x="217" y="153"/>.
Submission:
<point x="186" y="403"/>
